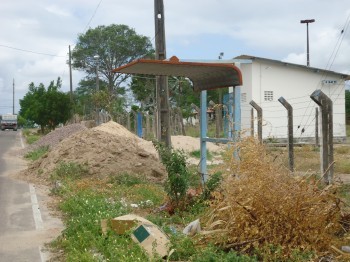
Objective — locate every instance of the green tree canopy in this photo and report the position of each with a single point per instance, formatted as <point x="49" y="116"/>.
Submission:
<point x="46" y="107"/>
<point x="106" y="48"/>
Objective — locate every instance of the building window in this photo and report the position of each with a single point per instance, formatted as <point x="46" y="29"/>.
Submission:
<point x="243" y="97"/>
<point x="268" y="95"/>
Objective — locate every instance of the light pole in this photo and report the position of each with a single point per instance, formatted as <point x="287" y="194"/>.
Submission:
<point x="307" y="21"/>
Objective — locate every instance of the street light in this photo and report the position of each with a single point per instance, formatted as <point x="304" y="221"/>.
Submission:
<point x="307" y="21"/>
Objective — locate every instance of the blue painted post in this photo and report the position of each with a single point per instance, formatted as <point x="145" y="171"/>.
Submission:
<point x="230" y="115"/>
<point x="203" y="135"/>
<point x="237" y="113"/>
<point x="139" y="124"/>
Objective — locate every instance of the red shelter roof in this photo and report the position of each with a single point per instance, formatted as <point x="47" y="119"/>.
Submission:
<point x="204" y="76"/>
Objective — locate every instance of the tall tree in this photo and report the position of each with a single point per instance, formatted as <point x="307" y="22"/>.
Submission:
<point x="106" y="48"/>
<point x="46" y="107"/>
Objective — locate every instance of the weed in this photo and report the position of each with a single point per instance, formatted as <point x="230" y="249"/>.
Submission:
<point x="82" y="239"/>
<point x="212" y="184"/>
<point x="197" y="154"/>
<point x="271" y="252"/>
<point x="127" y="179"/>
<point x="342" y="167"/>
<point x="37" y="153"/>
<point x="68" y="171"/>
<point x="343" y="150"/>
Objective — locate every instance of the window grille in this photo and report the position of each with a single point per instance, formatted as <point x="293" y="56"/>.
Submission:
<point x="268" y="95"/>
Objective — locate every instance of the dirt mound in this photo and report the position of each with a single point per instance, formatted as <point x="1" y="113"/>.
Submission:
<point x="54" y="137"/>
<point x="188" y="144"/>
<point x="105" y="150"/>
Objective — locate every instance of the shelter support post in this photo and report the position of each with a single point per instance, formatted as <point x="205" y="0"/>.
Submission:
<point x="203" y="135"/>
<point x="326" y="152"/>
<point x="237" y="115"/>
<point x="290" y="132"/>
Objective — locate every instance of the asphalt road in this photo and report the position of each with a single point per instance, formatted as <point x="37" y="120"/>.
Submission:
<point x="20" y="215"/>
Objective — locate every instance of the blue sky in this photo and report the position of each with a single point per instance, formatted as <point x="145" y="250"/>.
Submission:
<point x="196" y="29"/>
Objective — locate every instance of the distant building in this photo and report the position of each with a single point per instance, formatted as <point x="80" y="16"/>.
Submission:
<point x="266" y="80"/>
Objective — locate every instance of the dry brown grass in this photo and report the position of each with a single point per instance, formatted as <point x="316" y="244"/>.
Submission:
<point x="260" y="203"/>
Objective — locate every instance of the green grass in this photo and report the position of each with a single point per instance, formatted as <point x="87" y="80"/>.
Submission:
<point x="37" y="153"/>
<point x="197" y="154"/>
<point x="30" y="136"/>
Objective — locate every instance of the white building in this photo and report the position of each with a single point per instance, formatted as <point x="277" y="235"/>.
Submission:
<point x="266" y="80"/>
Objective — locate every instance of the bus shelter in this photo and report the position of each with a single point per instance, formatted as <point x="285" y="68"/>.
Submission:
<point x="204" y="76"/>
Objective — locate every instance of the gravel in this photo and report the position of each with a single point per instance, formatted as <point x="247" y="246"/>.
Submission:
<point x="54" y="137"/>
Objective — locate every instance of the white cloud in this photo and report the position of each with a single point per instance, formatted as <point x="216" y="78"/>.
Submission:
<point x="194" y="29"/>
<point x="57" y="11"/>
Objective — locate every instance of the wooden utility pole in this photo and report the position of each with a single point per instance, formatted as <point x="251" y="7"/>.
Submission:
<point x="70" y="76"/>
<point x="259" y="111"/>
<point x="290" y="132"/>
<point x="162" y="92"/>
<point x="13" y="97"/>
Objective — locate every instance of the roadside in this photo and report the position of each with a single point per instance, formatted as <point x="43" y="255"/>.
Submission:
<point x="44" y="226"/>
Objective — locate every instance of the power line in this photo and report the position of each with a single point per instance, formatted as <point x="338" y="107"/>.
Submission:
<point x="93" y="15"/>
<point x="29" y="51"/>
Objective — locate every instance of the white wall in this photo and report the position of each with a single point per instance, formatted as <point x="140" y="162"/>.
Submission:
<point x="295" y="84"/>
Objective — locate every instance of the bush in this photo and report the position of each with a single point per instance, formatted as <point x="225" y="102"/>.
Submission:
<point x="178" y="174"/>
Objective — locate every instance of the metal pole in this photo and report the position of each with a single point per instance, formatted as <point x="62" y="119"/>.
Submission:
<point x="237" y="120"/>
<point x="307" y="21"/>
<point x="259" y="111"/>
<point x="162" y="81"/>
<point x="203" y="135"/>
<point x="290" y="132"/>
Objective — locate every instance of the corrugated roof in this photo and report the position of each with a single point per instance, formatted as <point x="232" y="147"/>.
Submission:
<point x="313" y="69"/>
<point x="204" y="76"/>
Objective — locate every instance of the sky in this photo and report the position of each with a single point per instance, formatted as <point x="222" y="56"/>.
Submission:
<point x="35" y="34"/>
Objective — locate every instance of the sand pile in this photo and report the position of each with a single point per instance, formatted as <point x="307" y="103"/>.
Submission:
<point x="54" y="137"/>
<point x="109" y="149"/>
<point x="189" y="144"/>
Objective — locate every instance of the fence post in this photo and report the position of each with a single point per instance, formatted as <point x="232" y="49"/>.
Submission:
<point x="290" y="132"/>
<point x="317" y="142"/>
<point x="128" y="124"/>
<point x="252" y="122"/>
<point x="217" y="117"/>
<point x="259" y="111"/>
<point x="148" y="126"/>
<point x="326" y="152"/>
<point x="139" y="124"/>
